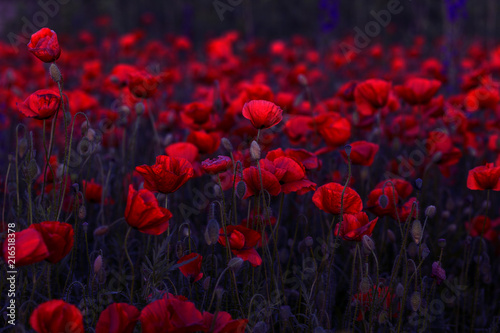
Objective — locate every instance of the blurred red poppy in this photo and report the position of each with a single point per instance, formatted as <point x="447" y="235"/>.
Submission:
<point x="144" y="213"/>
<point x="403" y="187"/>
<point x="418" y="91"/>
<point x="44" y="45"/>
<point x="29" y="248"/>
<point x="207" y="143"/>
<point x="362" y="152"/>
<point x="263" y="114"/>
<point x="242" y="241"/>
<point x="171" y="314"/>
<point x="383" y="208"/>
<point x="142" y="84"/>
<point x="183" y="150"/>
<point x="328" y="199"/>
<point x="118" y="318"/>
<point x="167" y="175"/>
<point x="355" y="226"/>
<point x="217" y="165"/>
<point x="41" y="104"/>
<point x="57" y="236"/>
<point x="192" y="269"/>
<point x="57" y="316"/>
<point x="371" y="95"/>
<point x="253" y="181"/>
<point x="485" y="177"/>
<point x="223" y="323"/>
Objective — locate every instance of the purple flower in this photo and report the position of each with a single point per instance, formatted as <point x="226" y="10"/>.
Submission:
<point x="438" y="272"/>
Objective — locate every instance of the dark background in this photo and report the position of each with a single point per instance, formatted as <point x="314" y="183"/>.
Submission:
<point x="198" y="19"/>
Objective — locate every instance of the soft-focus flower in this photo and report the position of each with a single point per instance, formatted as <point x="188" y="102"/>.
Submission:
<point x="418" y="91"/>
<point x="486" y="177"/>
<point x="242" y="241"/>
<point x="29" y="248"/>
<point x="263" y="114"/>
<point x="118" y="318"/>
<point x="216" y="165"/>
<point x="192" y="269"/>
<point x="253" y="181"/>
<point x="371" y="95"/>
<point x="328" y="199"/>
<point x="144" y="214"/>
<point x="223" y="323"/>
<point x="57" y="316"/>
<point x="41" y="104"/>
<point x="167" y="174"/>
<point x="57" y="236"/>
<point x="355" y="226"/>
<point x="362" y="152"/>
<point x="44" y="45"/>
<point x="142" y="84"/>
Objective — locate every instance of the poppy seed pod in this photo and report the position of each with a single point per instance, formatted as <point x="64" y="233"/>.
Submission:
<point x="255" y="151"/>
<point x="430" y="211"/>
<point x="55" y="73"/>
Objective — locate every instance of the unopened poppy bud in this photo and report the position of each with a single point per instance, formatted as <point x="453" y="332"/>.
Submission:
<point x="418" y="184"/>
<point x="101" y="231"/>
<point x="179" y="249"/>
<point x="217" y="191"/>
<point x="285" y="312"/>
<point x="302" y="80"/>
<point x="241" y="189"/>
<point x="167" y="140"/>
<point x="442" y="242"/>
<point x="206" y="283"/>
<point x="383" y="201"/>
<point x="82" y="212"/>
<point x="255" y="151"/>
<point x="415" y="301"/>
<point x="75" y="187"/>
<point x="85" y="227"/>
<point x="382" y="317"/>
<point x="416" y="231"/>
<point x="235" y="264"/>
<point x="430" y="211"/>
<point x="67" y="117"/>
<point x="400" y="290"/>
<point x="348" y="149"/>
<point x="97" y="264"/>
<point x="308" y="241"/>
<point x="22" y="147"/>
<point x="227" y="144"/>
<point x="365" y="285"/>
<point x="424" y="251"/>
<point x="32" y="169"/>
<point x="55" y="73"/>
<point x="368" y="244"/>
<point x="212" y="232"/>
<point x="124" y="109"/>
<point x="390" y="236"/>
<point x="139" y="108"/>
<point x="302" y="247"/>
<point x="90" y="134"/>
<point x="114" y="79"/>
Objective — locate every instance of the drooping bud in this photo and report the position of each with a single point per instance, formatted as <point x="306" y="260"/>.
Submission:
<point x="255" y="151"/>
<point x="212" y="232"/>
<point x="368" y="244"/>
<point x="241" y="189"/>
<point x="179" y="249"/>
<point x="260" y="327"/>
<point x="82" y="212"/>
<point x="101" y="231"/>
<point x="22" y="147"/>
<point x="55" y="73"/>
<point x="97" y="264"/>
<point x="390" y="236"/>
<point x="85" y="226"/>
<point x="430" y="211"/>
<point x="416" y="231"/>
<point x="348" y="149"/>
<point x="365" y="285"/>
<point x="227" y="144"/>
<point x="383" y="201"/>
<point x="206" y="283"/>
<point x="235" y="264"/>
<point x="217" y="191"/>
<point x="424" y="251"/>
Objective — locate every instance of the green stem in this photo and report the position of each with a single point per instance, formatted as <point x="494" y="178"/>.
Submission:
<point x="131" y="265"/>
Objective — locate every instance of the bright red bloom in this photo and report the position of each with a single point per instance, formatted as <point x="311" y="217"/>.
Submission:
<point x="41" y="104"/>
<point x="290" y="173"/>
<point x="216" y="165"/>
<point x="336" y="130"/>
<point x="263" y="114"/>
<point x="44" y="45"/>
<point x="328" y="198"/>
<point x="93" y="191"/>
<point x="29" y="248"/>
<point x="196" y="113"/>
<point x="482" y="98"/>
<point x="362" y="152"/>
<point x="252" y="179"/>
<point x="224" y="323"/>
<point x="355" y="226"/>
<point x="142" y="84"/>
<point x="418" y="91"/>
<point x="242" y="241"/>
<point x="57" y="316"/>
<point x="207" y="143"/>
<point x="171" y="314"/>
<point x="486" y="177"/>
<point x="371" y="95"/>
<point x="144" y="213"/>
<point x="118" y="318"/>
<point x="57" y="236"/>
<point x="192" y="269"/>
<point x="374" y="201"/>
<point x="167" y="175"/>
<point x="183" y="150"/>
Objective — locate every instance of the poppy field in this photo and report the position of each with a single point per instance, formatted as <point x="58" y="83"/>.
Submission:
<point x="256" y="186"/>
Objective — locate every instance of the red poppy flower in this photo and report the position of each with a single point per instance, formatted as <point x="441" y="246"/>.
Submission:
<point x="336" y="131"/>
<point x="483" y="225"/>
<point x="167" y="175"/>
<point x="418" y="91"/>
<point x="217" y="165"/>
<point x="44" y="45"/>
<point x="309" y="160"/>
<point x="144" y="213"/>
<point x="242" y="241"/>
<point x="374" y="204"/>
<point x="223" y="323"/>
<point x="355" y="226"/>
<point x="29" y="248"/>
<point x="405" y="210"/>
<point x="371" y="95"/>
<point x="142" y="84"/>
<point x="118" y="318"/>
<point x="290" y="173"/>
<point x="57" y="316"/>
<point x="93" y="191"/>
<point x="328" y="197"/>
<point x="196" y="113"/>
<point x="263" y="114"/>
<point x="183" y="150"/>
<point x="41" y="104"/>
<point x="171" y="314"/>
<point x="482" y="98"/>
<point x="297" y="129"/>
<point x="403" y="187"/>
<point x="252" y="179"/>
<point x="57" y="236"/>
<point x="192" y="269"/>
<point x="207" y="143"/>
<point x="362" y="152"/>
<point x="486" y="177"/>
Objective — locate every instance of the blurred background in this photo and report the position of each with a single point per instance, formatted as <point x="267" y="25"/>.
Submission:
<point x="199" y="19"/>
